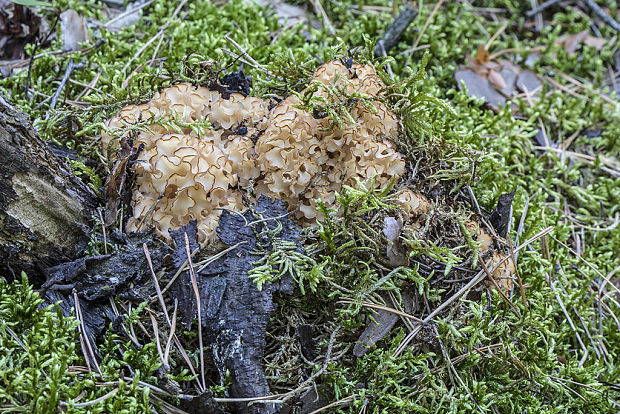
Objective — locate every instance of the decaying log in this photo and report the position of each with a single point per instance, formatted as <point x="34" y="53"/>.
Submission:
<point x="44" y="208"/>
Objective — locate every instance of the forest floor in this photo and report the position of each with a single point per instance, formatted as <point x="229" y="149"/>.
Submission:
<point x="509" y="118"/>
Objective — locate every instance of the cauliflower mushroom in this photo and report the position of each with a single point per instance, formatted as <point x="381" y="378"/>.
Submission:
<point x="304" y="159"/>
<point x="180" y="175"/>
<point x="412" y="204"/>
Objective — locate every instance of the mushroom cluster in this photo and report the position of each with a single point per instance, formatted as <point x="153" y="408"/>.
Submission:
<point x="304" y="159"/>
<point x="183" y="172"/>
<point x="189" y="170"/>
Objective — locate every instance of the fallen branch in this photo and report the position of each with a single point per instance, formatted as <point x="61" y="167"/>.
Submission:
<point x="395" y="31"/>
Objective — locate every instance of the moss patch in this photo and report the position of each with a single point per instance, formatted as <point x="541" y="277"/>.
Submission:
<point x="558" y="353"/>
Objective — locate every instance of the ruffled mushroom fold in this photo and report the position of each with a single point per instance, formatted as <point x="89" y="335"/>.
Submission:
<point x="198" y="149"/>
<point x="304" y="159"/>
<point x="183" y="176"/>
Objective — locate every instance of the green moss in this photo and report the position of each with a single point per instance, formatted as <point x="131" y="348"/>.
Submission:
<point x="39" y="350"/>
<point x="500" y="362"/>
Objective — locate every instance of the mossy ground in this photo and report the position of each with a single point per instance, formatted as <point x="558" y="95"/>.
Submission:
<point x="555" y="353"/>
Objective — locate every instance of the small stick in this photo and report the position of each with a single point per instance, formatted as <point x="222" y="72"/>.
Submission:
<point x="566" y="143"/>
<point x="452" y="370"/>
<point x="159" y="33"/>
<point x="326" y="22"/>
<point x="150" y="211"/>
<point x="395" y="31"/>
<point x="172" y="332"/>
<point x="92" y="402"/>
<point x="182" y="268"/>
<point x="495" y="36"/>
<point x="586" y="87"/>
<point x="105" y="238"/>
<point x="156" y="282"/>
<point x="197" y="293"/>
<point x="387" y="66"/>
<point x="497" y="54"/>
<point x="129" y="335"/>
<point x="127" y="310"/>
<point x="157" y="341"/>
<point x="78" y="315"/>
<point x="87" y="87"/>
<point x="541" y="8"/>
<point x="240" y="58"/>
<point x="569" y="320"/>
<point x="570" y="389"/>
<point x="139" y="68"/>
<point x="538" y="19"/>
<point x="91" y="87"/>
<point x="585" y="386"/>
<point x="156" y="51"/>
<point x="499" y="289"/>
<point x="428" y="21"/>
<point x="346" y="400"/>
<point x="246" y="54"/>
<point x="70" y="68"/>
<point x="604" y="16"/>
<point x="383" y="308"/>
<point x="203" y="264"/>
<point x="144" y="46"/>
<point x="514" y="260"/>
<point x="399" y="308"/>
<point x="587" y="159"/>
<point x="213" y="258"/>
<point x="83" y="346"/>
<point x="473" y="282"/>
<point x="474" y="200"/>
<point x="565" y="89"/>
<point x="127" y="13"/>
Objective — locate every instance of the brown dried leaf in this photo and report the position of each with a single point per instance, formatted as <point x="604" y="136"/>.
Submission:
<point x="571" y="43"/>
<point x="595" y="42"/>
<point x="73" y="30"/>
<point x="482" y="55"/>
<point x="497" y="80"/>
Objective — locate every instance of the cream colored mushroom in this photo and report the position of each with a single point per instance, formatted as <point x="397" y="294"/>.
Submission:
<point x="303" y="159"/>
<point x="182" y="176"/>
<point x="412" y="203"/>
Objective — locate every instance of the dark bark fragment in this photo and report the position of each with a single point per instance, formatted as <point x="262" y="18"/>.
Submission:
<point x="500" y="216"/>
<point x="234" y="312"/>
<point x="182" y="289"/>
<point x="306" y="336"/>
<point x="202" y="404"/>
<point x="125" y="273"/>
<point x="382" y="324"/>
